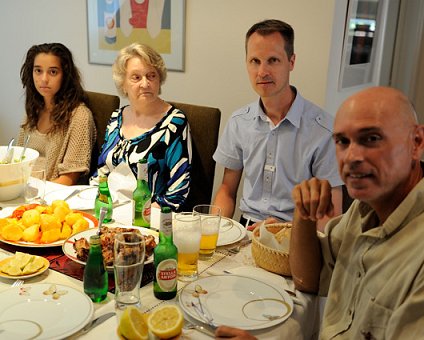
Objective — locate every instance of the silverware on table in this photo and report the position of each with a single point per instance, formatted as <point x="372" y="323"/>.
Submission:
<point x="25" y="147"/>
<point x="103" y="212"/>
<point x="9" y="152"/>
<point x="96" y="322"/>
<point x="18" y="283"/>
<point x="189" y="325"/>
<point x="72" y="194"/>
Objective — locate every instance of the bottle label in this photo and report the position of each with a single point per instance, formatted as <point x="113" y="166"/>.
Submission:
<point x="146" y="211"/>
<point x="166" y="275"/>
<point x="103" y="198"/>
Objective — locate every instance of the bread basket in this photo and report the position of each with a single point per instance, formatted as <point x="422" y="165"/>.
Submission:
<point x="270" y="259"/>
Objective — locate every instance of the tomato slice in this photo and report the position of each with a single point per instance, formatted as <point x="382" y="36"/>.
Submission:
<point x="19" y="211"/>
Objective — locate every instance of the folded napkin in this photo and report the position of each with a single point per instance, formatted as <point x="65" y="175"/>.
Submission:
<point x="122" y="182"/>
<point x="270" y="240"/>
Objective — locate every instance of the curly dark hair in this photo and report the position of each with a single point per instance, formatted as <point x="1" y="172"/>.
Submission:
<point x="270" y="26"/>
<point x="70" y="95"/>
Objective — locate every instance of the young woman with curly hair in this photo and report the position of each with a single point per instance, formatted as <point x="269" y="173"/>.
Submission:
<point x="60" y="125"/>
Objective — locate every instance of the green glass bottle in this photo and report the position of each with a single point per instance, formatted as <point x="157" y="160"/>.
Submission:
<point x="95" y="275"/>
<point x="142" y="197"/>
<point x="103" y="199"/>
<point x="165" y="259"/>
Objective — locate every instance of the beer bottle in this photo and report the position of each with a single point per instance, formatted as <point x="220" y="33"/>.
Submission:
<point x="95" y="274"/>
<point x="141" y="197"/>
<point x="103" y="199"/>
<point x="165" y="259"/>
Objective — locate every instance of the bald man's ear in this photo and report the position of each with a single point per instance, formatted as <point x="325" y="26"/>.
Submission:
<point x="418" y="142"/>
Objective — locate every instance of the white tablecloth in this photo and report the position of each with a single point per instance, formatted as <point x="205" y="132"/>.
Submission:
<point x="302" y="324"/>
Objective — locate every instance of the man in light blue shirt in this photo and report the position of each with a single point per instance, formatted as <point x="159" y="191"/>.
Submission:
<point x="279" y="140"/>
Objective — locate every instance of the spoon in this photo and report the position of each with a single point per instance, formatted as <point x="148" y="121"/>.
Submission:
<point x="25" y="147"/>
<point x="103" y="212"/>
<point x="9" y="152"/>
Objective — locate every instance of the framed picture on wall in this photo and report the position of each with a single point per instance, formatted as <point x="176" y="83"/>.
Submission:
<point x="114" y="24"/>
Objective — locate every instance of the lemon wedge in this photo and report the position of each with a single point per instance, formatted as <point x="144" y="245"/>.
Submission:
<point x="166" y="321"/>
<point x="133" y="325"/>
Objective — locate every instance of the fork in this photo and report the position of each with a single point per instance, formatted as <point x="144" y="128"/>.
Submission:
<point x="189" y="325"/>
<point x="18" y="283"/>
<point x="237" y="248"/>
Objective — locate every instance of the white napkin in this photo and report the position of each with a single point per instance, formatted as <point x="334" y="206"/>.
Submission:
<point x="122" y="182"/>
<point x="268" y="239"/>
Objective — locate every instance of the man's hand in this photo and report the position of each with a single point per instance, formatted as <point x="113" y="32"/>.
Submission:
<point x="225" y="332"/>
<point x="312" y="199"/>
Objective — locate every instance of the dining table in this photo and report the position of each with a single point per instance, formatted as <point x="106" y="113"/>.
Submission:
<point x="231" y="259"/>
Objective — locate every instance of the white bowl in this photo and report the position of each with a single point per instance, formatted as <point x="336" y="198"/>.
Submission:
<point x="14" y="175"/>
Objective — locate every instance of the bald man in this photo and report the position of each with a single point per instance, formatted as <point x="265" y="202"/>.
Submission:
<point x="370" y="264"/>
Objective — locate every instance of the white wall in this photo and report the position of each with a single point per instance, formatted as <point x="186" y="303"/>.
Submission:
<point x="214" y="71"/>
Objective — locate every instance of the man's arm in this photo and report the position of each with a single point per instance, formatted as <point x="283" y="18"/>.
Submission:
<point x="227" y="193"/>
<point x="337" y="200"/>
<point x="313" y="202"/>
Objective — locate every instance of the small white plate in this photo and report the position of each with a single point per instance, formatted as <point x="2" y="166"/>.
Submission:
<point x="239" y="301"/>
<point x="69" y="251"/>
<point x="27" y="313"/>
<point x="84" y="200"/>
<point x="230" y="231"/>
<point x="45" y="266"/>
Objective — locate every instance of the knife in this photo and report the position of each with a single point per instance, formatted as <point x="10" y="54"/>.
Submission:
<point x="72" y="194"/>
<point x="96" y="322"/>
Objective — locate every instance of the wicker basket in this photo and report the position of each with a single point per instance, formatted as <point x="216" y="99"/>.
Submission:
<point x="273" y="260"/>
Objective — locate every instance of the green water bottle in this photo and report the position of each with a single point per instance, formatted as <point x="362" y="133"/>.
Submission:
<point x="95" y="275"/>
<point x="141" y="197"/>
<point x="103" y="199"/>
<point x="165" y="256"/>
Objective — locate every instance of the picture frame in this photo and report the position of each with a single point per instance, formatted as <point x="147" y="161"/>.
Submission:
<point x="114" y="24"/>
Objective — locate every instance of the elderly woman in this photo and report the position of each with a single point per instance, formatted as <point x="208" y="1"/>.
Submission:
<point x="147" y="128"/>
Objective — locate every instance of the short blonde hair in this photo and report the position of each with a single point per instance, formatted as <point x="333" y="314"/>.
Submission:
<point x="136" y="50"/>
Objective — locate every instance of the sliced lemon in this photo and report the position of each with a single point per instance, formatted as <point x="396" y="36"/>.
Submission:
<point x="166" y="321"/>
<point x="133" y="325"/>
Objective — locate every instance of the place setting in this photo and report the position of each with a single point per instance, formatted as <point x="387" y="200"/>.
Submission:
<point x="222" y="297"/>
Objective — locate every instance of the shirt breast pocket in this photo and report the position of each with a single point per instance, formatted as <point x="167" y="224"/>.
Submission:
<point x="373" y="318"/>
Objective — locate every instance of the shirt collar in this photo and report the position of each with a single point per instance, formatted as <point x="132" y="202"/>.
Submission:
<point x="293" y="115"/>
<point x="407" y="210"/>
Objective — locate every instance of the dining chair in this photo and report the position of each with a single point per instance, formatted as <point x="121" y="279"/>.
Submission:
<point x="204" y="125"/>
<point x="101" y="105"/>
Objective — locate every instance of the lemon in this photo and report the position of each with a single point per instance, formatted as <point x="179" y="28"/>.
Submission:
<point x="133" y="325"/>
<point x="166" y="321"/>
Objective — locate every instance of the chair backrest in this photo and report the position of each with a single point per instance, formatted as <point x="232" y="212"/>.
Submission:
<point x="101" y="105"/>
<point x="204" y="125"/>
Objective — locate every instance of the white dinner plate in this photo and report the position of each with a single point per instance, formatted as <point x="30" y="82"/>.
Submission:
<point x="69" y="251"/>
<point x="84" y="200"/>
<point x="27" y="313"/>
<point x="239" y="301"/>
<point x="92" y="222"/>
<point x="40" y="271"/>
<point x="230" y="231"/>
